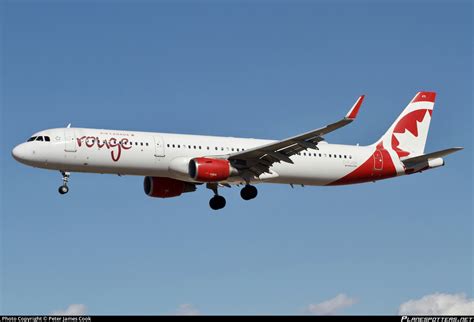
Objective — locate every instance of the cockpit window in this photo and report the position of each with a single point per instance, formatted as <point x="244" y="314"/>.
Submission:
<point x="39" y="138"/>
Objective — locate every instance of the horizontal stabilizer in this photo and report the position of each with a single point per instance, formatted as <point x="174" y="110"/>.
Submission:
<point x="408" y="162"/>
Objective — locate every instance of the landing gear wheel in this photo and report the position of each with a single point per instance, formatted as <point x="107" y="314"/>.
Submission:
<point x="217" y="202"/>
<point x="63" y="189"/>
<point x="248" y="192"/>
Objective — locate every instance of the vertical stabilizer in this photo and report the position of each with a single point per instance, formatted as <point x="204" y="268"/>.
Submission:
<point x="407" y="135"/>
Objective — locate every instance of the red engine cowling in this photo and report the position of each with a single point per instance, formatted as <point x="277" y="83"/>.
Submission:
<point x="210" y="170"/>
<point x="160" y="187"/>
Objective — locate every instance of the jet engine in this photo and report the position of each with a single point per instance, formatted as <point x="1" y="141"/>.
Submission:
<point x="210" y="170"/>
<point x="160" y="187"/>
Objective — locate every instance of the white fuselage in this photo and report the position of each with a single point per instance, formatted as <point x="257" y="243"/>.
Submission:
<point x="168" y="155"/>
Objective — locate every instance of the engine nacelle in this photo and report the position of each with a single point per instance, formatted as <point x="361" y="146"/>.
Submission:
<point x="160" y="187"/>
<point x="210" y="170"/>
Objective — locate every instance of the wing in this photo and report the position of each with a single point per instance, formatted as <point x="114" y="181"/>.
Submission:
<point x="258" y="160"/>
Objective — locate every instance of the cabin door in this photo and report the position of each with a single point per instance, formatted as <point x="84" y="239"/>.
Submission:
<point x="70" y="140"/>
<point x="159" y="146"/>
<point x="378" y="160"/>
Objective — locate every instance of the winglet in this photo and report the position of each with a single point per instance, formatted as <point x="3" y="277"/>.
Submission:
<point x="355" y="109"/>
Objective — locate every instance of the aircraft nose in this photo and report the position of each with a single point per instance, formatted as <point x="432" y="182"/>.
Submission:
<point x="19" y="152"/>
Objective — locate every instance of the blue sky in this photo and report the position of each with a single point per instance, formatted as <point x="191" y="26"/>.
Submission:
<point x="262" y="69"/>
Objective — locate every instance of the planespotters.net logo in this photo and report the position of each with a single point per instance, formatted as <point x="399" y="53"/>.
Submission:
<point x="437" y="318"/>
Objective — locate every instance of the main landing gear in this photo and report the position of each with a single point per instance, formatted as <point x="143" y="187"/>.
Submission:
<point x="248" y="192"/>
<point x="217" y="202"/>
<point x="64" y="188"/>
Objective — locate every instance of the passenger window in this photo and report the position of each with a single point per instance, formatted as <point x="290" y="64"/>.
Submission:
<point x="350" y="157"/>
<point x="147" y="144"/>
<point x="179" y="145"/>
<point x="340" y="156"/>
<point x="320" y="154"/>
<point x="330" y="156"/>
<point x="199" y="147"/>
<point x="208" y="148"/>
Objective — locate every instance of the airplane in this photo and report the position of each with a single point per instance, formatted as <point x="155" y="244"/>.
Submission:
<point x="172" y="164"/>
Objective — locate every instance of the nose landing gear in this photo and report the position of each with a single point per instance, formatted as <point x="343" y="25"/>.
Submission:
<point x="64" y="188"/>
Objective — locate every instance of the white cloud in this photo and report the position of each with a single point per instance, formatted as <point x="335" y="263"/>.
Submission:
<point x="73" y="309"/>
<point x="439" y="304"/>
<point x="331" y="306"/>
<point x="187" y="309"/>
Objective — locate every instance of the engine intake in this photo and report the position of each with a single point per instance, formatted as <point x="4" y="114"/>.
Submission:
<point x="210" y="170"/>
<point x="160" y="187"/>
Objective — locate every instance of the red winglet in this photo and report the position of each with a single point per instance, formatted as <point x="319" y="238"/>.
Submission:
<point x="355" y="109"/>
<point x="424" y="97"/>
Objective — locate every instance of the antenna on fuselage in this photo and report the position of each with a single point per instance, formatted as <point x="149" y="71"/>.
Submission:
<point x="69" y="125"/>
